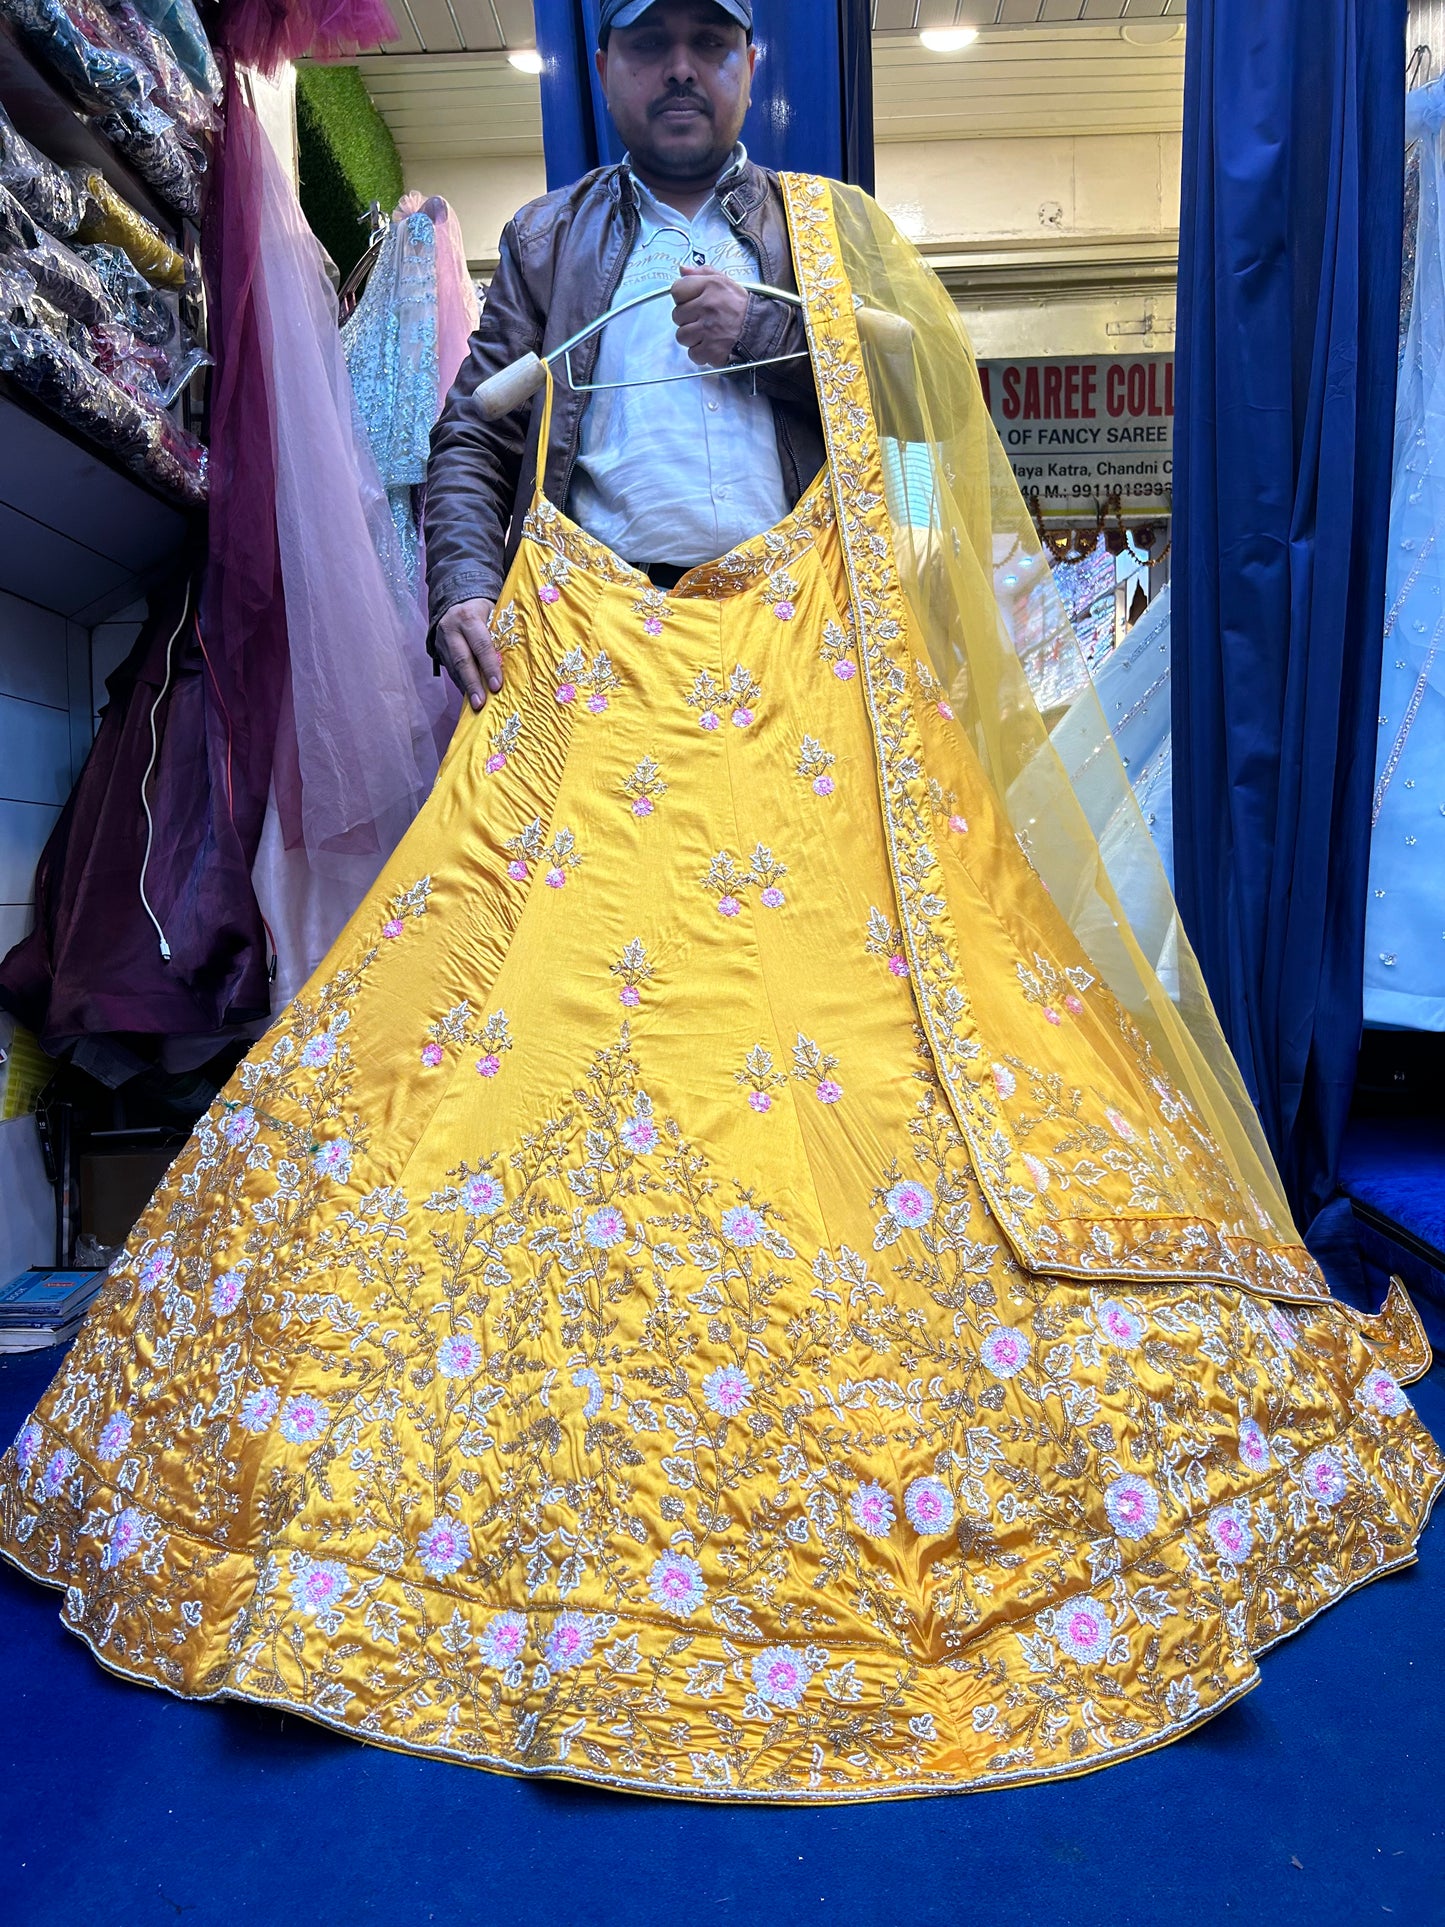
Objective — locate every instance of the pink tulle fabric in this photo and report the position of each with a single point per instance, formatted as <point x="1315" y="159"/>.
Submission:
<point x="358" y="746"/>
<point x="456" y="296"/>
<point x="264" y="33"/>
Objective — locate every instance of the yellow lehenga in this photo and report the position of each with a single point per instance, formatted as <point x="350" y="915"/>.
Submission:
<point x="709" y="1290"/>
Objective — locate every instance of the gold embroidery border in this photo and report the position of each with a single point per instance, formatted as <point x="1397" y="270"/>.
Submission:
<point x="1161" y="1250"/>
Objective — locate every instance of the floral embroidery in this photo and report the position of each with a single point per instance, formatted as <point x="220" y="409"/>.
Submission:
<point x="1254" y="1452"/>
<point x="556" y="574"/>
<point x="493" y="1039"/>
<point x="526" y="848"/>
<point x="781" y="1676"/>
<point x="742" y="696"/>
<point x="589" y="1381"/>
<point x="634" y="970"/>
<point x="676" y="1583"/>
<point x="570" y="1642"/>
<point x="317" y="1589"/>
<point x="768" y="874"/>
<point x="1231" y="1533"/>
<point x="444" y="1548"/>
<point x="1382" y="1390"/>
<point x="837" y="650"/>
<point x="639" y="1132"/>
<point x="1082" y="1628"/>
<point x="928" y="1504"/>
<point x="1118" y="1326"/>
<point x="1133" y="1506"/>
<point x="781" y="590"/>
<point x="502" y="743"/>
<point x="816" y="1067"/>
<point x="259" y="1409"/>
<point x="707" y="696"/>
<point x="760" y="1079"/>
<point x="606" y="1228"/>
<point x="407" y="903"/>
<point x="815" y="766"/>
<point x="872" y="1510"/>
<point x="303" y="1420"/>
<point x="1323" y="1476"/>
<point x="1005" y="1352"/>
<point x="129" y="1531"/>
<point x="727" y="1390"/>
<point x="644" y="788"/>
<point x="560" y="856"/>
<point x="503" y="1640"/>
<point x="112" y="1444"/>
<point x="653" y="609"/>
<point x="601" y="682"/>
<point x="727" y="880"/>
<point x="885" y="940"/>
<point x="459" y="1356"/>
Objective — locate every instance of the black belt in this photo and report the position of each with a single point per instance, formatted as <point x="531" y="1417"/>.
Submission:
<point x="665" y="575"/>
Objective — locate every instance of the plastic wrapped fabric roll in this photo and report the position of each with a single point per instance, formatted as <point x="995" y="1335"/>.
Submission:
<point x="82" y="51"/>
<point x="45" y="191"/>
<point x="181" y="25"/>
<point x="111" y="220"/>
<point x="70" y="284"/>
<point x="168" y="157"/>
<point x="36" y="354"/>
<point x="174" y="89"/>
<point x="147" y="312"/>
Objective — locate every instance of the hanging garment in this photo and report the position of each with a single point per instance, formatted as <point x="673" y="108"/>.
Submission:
<point x="661" y="1308"/>
<point x="1405" y="917"/>
<point x="360" y="731"/>
<point x="1131" y="687"/>
<point x="404" y="344"/>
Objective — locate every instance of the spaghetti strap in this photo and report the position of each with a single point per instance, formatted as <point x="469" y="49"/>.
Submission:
<point x="543" y="438"/>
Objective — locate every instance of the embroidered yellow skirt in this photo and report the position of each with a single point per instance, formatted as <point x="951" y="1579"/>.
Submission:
<point x="579" y="1342"/>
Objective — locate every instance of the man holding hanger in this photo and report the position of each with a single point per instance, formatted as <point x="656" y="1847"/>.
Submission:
<point x="670" y="473"/>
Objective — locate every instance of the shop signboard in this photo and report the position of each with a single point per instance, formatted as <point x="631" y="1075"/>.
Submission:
<point x="1075" y="430"/>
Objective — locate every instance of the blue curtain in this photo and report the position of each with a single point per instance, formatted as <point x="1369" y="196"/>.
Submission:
<point x="1289" y="280"/>
<point x="812" y="97"/>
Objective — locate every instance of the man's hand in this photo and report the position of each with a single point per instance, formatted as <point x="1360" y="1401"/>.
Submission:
<point x="708" y="310"/>
<point x="464" y="643"/>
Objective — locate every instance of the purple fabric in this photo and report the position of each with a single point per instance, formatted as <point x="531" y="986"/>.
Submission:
<point x="263" y="33"/>
<point x="92" y="964"/>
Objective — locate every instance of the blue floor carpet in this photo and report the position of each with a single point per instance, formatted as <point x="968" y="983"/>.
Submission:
<point x="1319" y="1798"/>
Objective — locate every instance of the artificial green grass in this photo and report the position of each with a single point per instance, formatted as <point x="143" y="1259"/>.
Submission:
<point x="348" y="159"/>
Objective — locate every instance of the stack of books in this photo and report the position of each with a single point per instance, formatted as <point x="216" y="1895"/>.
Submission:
<point x="41" y="1308"/>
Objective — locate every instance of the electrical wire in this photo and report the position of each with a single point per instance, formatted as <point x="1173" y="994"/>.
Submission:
<point x="150" y="766"/>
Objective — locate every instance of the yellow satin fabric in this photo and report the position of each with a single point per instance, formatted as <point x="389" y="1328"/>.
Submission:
<point x="580" y="1339"/>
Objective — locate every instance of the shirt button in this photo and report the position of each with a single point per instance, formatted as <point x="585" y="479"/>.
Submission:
<point x="713" y="407"/>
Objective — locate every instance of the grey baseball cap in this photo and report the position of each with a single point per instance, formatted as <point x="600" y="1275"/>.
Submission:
<point x="626" y="13"/>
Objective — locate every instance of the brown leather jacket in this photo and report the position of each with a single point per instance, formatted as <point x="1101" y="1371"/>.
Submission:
<point x="562" y="259"/>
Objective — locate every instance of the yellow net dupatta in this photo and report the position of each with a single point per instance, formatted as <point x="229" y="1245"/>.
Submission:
<point x="1083" y="1062"/>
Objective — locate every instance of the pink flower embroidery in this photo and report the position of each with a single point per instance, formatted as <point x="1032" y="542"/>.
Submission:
<point x="728" y="906"/>
<point x="945" y="709"/>
<point x="1074" y="1005"/>
<point x="844" y="671"/>
<point x="1119" y="1124"/>
<point x="556" y="879"/>
<point x="742" y="716"/>
<point x="549" y="592"/>
<point x="432" y="1056"/>
<point x="898" y="964"/>
<point x="708" y="720"/>
<point x="566" y="692"/>
<point x="393" y="927"/>
<point x="597" y="703"/>
<point x="1004" y="1081"/>
<point x="1052" y="1015"/>
<point x="872" y="1510"/>
<point x="823" y="786"/>
<point x="829" y="1091"/>
<point x="772" y="898"/>
<point x="489" y="1065"/>
<point x="495" y="762"/>
<point x="760" y="1101"/>
<point x="644" y="806"/>
<point x="959" y="825"/>
<point x="653" y="626"/>
<point x="517" y="870"/>
<point x="784" y="611"/>
<point x="630" y="995"/>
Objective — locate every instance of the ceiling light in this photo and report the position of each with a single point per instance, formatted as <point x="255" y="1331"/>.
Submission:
<point x="948" y="40"/>
<point x="526" y="60"/>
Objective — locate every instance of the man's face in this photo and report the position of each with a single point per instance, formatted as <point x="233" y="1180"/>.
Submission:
<point x="677" y="85"/>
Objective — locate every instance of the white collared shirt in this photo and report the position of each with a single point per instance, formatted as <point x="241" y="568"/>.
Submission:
<point x="678" y="471"/>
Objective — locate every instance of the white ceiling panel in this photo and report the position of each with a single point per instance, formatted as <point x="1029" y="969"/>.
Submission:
<point x="447" y="89"/>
